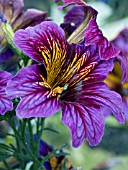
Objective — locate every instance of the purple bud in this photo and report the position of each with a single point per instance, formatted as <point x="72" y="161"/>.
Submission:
<point x="2" y="18"/>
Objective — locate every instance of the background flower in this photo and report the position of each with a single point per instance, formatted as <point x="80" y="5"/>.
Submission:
<point x="14" y="14"/>
<point x="83" y="27"/>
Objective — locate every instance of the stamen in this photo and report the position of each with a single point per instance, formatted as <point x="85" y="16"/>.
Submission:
<point x="2" y="18"/>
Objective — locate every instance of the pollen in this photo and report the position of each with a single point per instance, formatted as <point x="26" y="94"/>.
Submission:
<point x="58" y="90"/>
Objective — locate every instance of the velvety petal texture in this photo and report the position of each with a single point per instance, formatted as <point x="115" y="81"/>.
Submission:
<point x="5" y="101"/>
<point x="83" y="123"/>
<point x="83" y="103"/>
<point x="71" y="78"/>
<point x="34" y="40"/>
<point x="36" y="98"/>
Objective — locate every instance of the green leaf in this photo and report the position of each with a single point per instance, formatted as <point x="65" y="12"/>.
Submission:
<point x="4" y="147"/>
<point x="52" y="130"/>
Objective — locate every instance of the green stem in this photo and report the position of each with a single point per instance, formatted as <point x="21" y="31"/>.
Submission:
<point x="7" y="165"/>
<point x="32" y="143"/>
<point x="35" y="160"/>
<point x="40" y="128"/>
<point x="21" y="163"/>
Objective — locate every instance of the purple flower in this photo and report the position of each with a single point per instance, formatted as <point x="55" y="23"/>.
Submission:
<point x="121" y="41"/>
<point x="14" y="14"/>
<point x="5" y="101"/>
<point x="54" y="162"/>
<point x="80" y="24"/>
<point x="70" y="77"/>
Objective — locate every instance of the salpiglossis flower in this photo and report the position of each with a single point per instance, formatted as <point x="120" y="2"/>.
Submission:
<point x="5" y="101"/>
<point x="12" y="10"/>
<point x="69" y="77"/>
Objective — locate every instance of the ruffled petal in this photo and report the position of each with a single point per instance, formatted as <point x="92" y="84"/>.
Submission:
<point x="5" y="101"/>
<point x="36" y="97"/>
<point x="99" y="94"/>
<point x="93" y="35"/>
<point x="83" y="123"/>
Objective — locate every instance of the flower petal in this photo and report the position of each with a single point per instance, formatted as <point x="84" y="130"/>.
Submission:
<point x="78" y="25"/>
<point x="36" y="99"/>
<point x="83" y="123"/>
<point x="5" y="101"/>
<point x="123" y="60"/>
<point x="46" y="43"/>
<point x="93" y="69"/>
<point x="69" y="2"/>
<point x="125" y="109"/>
<point x="29" y="18"/>
<point x="34" y="40"/>
<point x="93" y="90"/>
<point x="93" y="35"/>
<point x="99" y="94"/>
<point x="11" y="9"/>
<point x="121" y="41"/>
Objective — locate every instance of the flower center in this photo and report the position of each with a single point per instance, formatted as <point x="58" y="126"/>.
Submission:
<point x="57" y="91"/>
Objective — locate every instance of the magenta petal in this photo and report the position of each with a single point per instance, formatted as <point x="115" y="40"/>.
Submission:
<point x="36" y="100"/>
<point x="40" y="37"/>
<point x="121" y="41"/>
<point x="93" y="35"/>
<point x="5" y="101"/>
<point x="35" y="105"/>
<point x="69" y="2"/>
<point x="100" y="95"/>
<point x="83" y="123"/>
<point x="125" y="109"/>
<point x="123" y="60"/>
